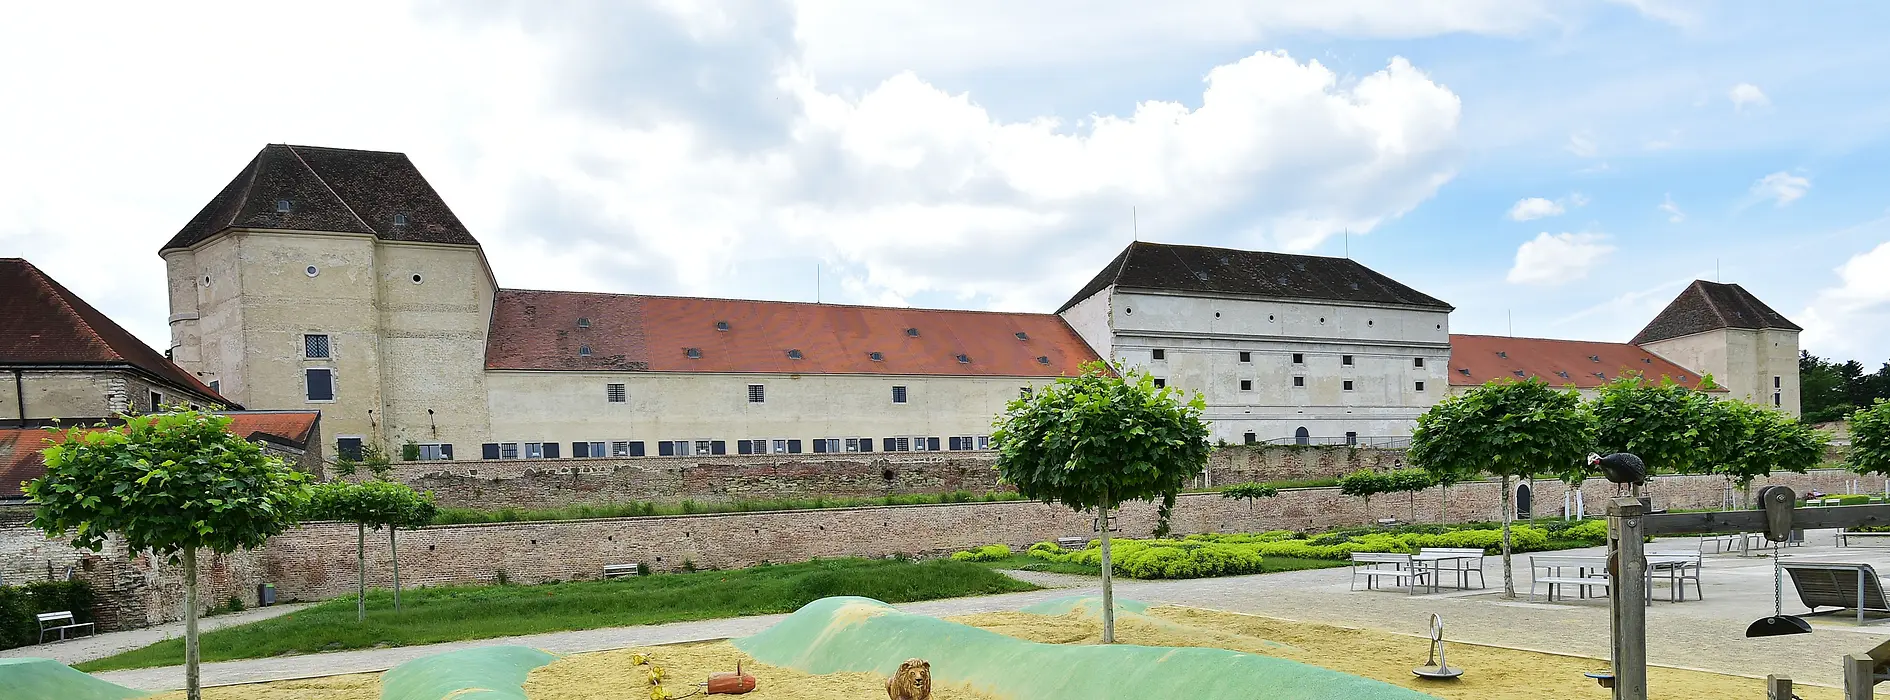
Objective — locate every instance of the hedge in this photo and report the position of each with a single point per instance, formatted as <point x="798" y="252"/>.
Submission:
<point x="989" y="552"/>
<point x="18" y="605"/>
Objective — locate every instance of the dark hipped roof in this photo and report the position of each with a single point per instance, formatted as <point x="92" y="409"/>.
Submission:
<point x="1250" y="272"/>
<point x="538" y="330"/>
<point x="20" y="447"/>
<point x="1477" y="359"/>
<point x="46" y="324"/>
<point x="329" y="189"/>
<point x="1706" y="306"/>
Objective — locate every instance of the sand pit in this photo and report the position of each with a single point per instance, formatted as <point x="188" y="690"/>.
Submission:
<point x="1493" y="673"/>
<point x="358" y="686"/>
<point x="610" y="675"/>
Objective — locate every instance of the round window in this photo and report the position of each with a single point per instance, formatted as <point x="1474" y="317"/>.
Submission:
<point x="313" y="271"/>
<point x="206" y="280"/>
<point x="416" y="279"/>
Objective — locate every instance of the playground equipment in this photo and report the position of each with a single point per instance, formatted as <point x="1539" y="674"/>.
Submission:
<point x="1435" y="667"/>
<point x="1777" y="501"/>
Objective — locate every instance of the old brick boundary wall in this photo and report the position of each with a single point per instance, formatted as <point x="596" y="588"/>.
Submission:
<point x="131" y="591"/>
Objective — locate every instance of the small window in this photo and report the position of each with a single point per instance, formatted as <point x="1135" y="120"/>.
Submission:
<point x="1560" y="373"/>
<point x="1246" y="356"/>
<point x="953" y="444"/>
<point x="853" y="444"/>
<point x="157" y="402"/>
<point x="320" y="383"/>
<point x="614" y="393"/>
<point x="717" y="447"/>
<point x="876" y="357"/>
<point x="1043" y="359"/>
<point x="350" y="448"/>
<point x="1505" y="355"/>
<point x="693" y="353"/>
<point x="1778" y="399"/>
<point x="1465" y="371"/>
<point x="1351" y="438"/>
<point x="580" y="450"/>
<point x="780" y="447"/>
<point x="636" y="448"/>
<point x="1024" y="392"/>
<point x="1348" y="385"/>
<point x="216" y="386"/>
<point x="315" y="346"/>
<point x="1246" y="385"/>
<point x="584" y="351"/>
<point x="931" y="444"/>
<point x="744" y="447"/>
<point x="436" y="451"/>
<point x="984" y="442"/>
<point x="1417" y="362"/>
<point x="912" y="332"/>
<point x="620" y="448"/>
<point x="1299" y="358"/>
<point x="964" y="359"/>
<point x="584" y="322"/>
<point x="489" y="450"/>
<point x="757" y="393"/>
<point x="899" y="394"/>
<point x="706" y="447"/>
<point x="721" y="326"/>
<point x="1345" y="360"/>
<point x="534" y="450"/>
<point x="1023" y="336"/>
<point x="866" y="444"/>
<point x="400" y="221"/>
<point x="283" y="206"/>
<point x="1591" y="358"/>
<point x="508" y="450"/>
<point x="310" y="271"/>
<point x="1158" y="354"/>
<point x="1299" y="381"/>
<point x="416" y="278"/>
<point x="1520" y="373"/>
<point x="1420" y="386"/>
<point x="794" y="354"/>
<point x="1249" y="438"/>
<point x="1159" y="382"/>
<point x="1778" y="382"/>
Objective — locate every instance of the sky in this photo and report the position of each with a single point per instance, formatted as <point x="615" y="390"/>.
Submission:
<point x="1552" y="169"/>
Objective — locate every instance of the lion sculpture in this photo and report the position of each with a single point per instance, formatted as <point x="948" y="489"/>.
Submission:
<point x="912" y="682"/>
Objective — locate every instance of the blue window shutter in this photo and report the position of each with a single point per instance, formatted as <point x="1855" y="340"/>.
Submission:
<point x="820" y="445"/>
<point x="794" y="447"/>
<point x="551" y="450"/>
<point x="665" y="448"/>
<point x="931" y="444"/>
<point x="489" y="450"/>
<point x="636" y="448"/>
<point x="718" y="447"/>
<point x="580" y="449"/>
<point x="866" y="444"/>
<point x="446" y="450"/>
<point x="888" y="445"/>
<point x="321" y="384"/>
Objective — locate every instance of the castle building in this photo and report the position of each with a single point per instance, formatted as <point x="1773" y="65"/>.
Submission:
<point x="339" y="280"/>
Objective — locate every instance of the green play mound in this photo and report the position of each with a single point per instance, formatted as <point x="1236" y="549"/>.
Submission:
<point x="45" y="679"/>
<point x="485" y="673"/>
<point x="860" y="634"/>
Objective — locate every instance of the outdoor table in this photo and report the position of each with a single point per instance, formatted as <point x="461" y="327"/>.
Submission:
<point x="1434" y="561"/>
<point x="1666" y="562"/>
<point x="1673" y="564"/>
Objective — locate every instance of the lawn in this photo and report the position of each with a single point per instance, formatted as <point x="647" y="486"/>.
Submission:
<point x="452" y="613"/>
<point x="1025" y="562"/>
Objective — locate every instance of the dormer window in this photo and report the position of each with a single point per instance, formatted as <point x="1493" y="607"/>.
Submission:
<point x="584" y="351"/>
<point x="1043" y="359"/>
<point x="912" y="332"/>
<point x="876" y="357"/>
<point x="584" y="322"/>
<point x="1023" y="336"/>
<point x="721" y="326"/>
<point x="794" y="354"/>
<point x="964" y="359"/>
<point x="400" y="221"/>
<point x="1594" y="358"/>
<point x="282" y="206"/>
<point x="1502" y="354"/>
<point x="1464" y="370"/>
<point x="692" y="353"/>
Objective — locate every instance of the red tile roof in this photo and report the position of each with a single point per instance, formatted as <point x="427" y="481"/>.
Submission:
<point x="1583" y="364"/>
<point x="46" y="324"/>
<point x="540" y="331"/>
<point x="20" y="447"/>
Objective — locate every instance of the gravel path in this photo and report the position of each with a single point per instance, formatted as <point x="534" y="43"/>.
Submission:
<point x="99" y="646"/>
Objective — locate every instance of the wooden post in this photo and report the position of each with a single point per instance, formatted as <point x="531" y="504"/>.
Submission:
<point x="1627" y="594"/>
<point x="1778" y="688"/>
<point x="1108" y="595"/>
<point x="1859" y="678"/>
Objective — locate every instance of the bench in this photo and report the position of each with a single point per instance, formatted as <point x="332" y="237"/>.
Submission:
<point x="1838" y="586"/>
<point x="1844" y="536"/>
<point x="615" y="570"/>
<point x="1464" y="562"/>
<point x="1590" y="572"/>
<point x="1397" y="567"/>
<point x="59" y="622"/>
<point x="1720" y="543"/>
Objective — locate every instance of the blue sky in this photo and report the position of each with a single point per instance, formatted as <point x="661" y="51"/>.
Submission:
<point x="1567" y="165"/>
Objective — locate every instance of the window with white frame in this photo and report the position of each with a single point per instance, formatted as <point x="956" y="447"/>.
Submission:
<point x="620" y="448"/>
<point x="508" y="450"/>
<point x="614" y="393"/>
<point x="780" y="447"/>
<point x="1420" y="386"/>
<point x="826" y="444"/>
<point x="704" y="447"/>
<point x="853" y="444"/>
<point x="587" y="449"/>
<point x="436" y="451"/>
<point x="534" y="450"/>
<point x="1345" y="360"/>
<point x="757" y="393"/>
<point x="897" y="444"/>
<point x="672" y="448"/>
<point x="315" y="346"/>
<point x="899" y="394"/>
<point x="1348" y="385"/>
<point x="984" y="442"/>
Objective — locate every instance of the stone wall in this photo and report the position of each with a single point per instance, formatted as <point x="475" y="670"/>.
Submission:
<point x="1236" y="464"/>
<point x="317" y="561"/>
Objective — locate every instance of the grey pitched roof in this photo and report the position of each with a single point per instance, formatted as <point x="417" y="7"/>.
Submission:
<point x="1250" y="272"/>
<point x="328" y="189"/>
<point x="1706" y="306"/>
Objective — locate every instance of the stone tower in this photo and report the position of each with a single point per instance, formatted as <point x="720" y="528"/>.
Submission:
<point x="1724" y="330"/>
<point x="337" y="280"/>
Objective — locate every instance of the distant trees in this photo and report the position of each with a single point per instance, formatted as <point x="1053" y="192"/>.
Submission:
<point x="375" y="504"/>
<point x="1870" y="439"/>
<point x="1830" y="390"/>
<point x="1250" y="491"/>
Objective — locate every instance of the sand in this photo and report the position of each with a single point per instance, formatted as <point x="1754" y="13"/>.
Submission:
<point x="610" y="675"/>
<point x="358" y="686"/>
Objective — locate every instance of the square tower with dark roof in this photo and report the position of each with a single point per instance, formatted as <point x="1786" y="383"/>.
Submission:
<point x="1725" y="331"/>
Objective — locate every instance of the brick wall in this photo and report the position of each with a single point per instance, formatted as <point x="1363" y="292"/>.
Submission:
<point x="1236" y="464"/>
<point x="317" y="561"/>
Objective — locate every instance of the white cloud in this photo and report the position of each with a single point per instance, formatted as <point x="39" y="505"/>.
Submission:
<point x="1747" y="94"/>
<point x="1582" y="144"/>
<point x="1674" y="215"/>
<point x="1534" y="208"/>
<point x="1852" y="319"/>
<point x="1577" y="199"/>
<point x="1781" y="187"/>
<point x="1552" y="259"/>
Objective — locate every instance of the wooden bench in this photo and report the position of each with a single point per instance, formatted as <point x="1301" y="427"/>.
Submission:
<point x="1590" y="572"/>
<point x="1844" y="536"/>
<point x="1397" y="567"/>
<point x="615" y="570"/>
<point x="59" y="622"/>
<point x="1838" y="585"/>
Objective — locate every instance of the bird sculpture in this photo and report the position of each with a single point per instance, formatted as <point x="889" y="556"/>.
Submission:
<point x="1620" y="467"/>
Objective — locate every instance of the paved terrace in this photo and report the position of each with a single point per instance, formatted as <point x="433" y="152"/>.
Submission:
<point x="1704" y="634"/>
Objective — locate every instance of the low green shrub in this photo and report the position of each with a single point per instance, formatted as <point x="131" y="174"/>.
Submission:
<point x="18" y="605"/>
<point x="989" y="552"/>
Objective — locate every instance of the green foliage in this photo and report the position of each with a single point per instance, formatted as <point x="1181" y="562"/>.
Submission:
<point x="18" y="605"/>
<point x="989" y="552"/>
<point x="1759" y="441"/>
<point x="1506" y="428"/>
<point x="1870" y="439"/>
<point x="376" y="504"/>
<point x="1096" y="440"/>
<point x="1251" y="491"/>
<point x="409" y="451"/>
<point x="1408" y="480"/>
<point x="164" y="482"/>
<point x="631" y="509"/>
<point x="1198" y="556"/>
<point x="1673" y="429"/>
<point x="453" y="613"/>
<point x="1364" y="483"/>
<point x="1829" y="391"/>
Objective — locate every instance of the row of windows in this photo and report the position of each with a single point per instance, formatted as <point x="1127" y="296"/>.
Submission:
<point x="1247" y="384"/>
<point x="350" y="448"/>
<point x="1299" y="358"/>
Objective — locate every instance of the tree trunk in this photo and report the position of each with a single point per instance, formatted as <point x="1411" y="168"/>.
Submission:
<point x="1108" y="588"/>
<point x="193" y="687"/>
<point x="1443" y="503"/>
<point x="1410" y="499"/>
<point x="360" y="572"/>
<point x="1509" y="575"/>
<point x="393" y="548"/>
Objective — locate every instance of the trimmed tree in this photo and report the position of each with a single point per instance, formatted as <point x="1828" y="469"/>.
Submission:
<point x="1364" y="484"/>
<point x="1870" y="439"/>
<point x="375" y="504"/>
<point x="1409" y="481"/>
<point x="1765" y="441"/>
<point x="1513" y="429"/>
<point x="1096" y="440"/>
<point x="1672" y="429"/>
<point x="1251" y="491"/>
<point x="170" y="484"/>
